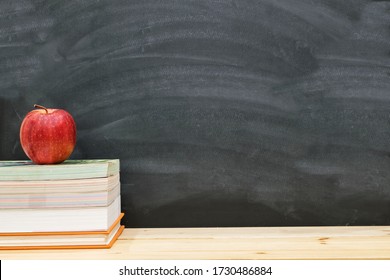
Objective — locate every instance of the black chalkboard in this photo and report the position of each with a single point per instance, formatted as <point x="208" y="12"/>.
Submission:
<point x="223" y="113"/>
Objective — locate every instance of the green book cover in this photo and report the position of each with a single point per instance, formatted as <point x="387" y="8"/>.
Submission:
<point x="24" y="170"/>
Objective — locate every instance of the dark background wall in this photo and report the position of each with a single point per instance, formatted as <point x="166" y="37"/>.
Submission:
<point x="223" y="113"/>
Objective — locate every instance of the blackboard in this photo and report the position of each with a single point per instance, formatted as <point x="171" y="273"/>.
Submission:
<point x="223" y="113"/>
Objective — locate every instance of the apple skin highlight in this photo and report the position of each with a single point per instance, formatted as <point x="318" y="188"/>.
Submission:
<point x="48" y="136"/>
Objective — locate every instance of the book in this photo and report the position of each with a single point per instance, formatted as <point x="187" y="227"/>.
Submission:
<point x="105" y="243"/>
<point x="59" y="219"/>
<point x="62" y="240"/>
<point x="25" y="170"/>
<point x="59" y="186"/>
<point x="61" y="193"/>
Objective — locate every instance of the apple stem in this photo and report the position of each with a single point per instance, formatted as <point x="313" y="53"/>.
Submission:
<point x="41" y="107"/>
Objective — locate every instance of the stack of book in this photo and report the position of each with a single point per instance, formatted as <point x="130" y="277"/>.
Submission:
<point x="75" y="204"/>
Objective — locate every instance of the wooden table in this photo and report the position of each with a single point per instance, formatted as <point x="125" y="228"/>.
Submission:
<point x="234" y="243"/>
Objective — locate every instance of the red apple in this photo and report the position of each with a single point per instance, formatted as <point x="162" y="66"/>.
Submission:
<point x="48" y="136"/>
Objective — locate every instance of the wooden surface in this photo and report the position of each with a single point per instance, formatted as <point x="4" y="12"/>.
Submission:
<point x="234" y="243"/>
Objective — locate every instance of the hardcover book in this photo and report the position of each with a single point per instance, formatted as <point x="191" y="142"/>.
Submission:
<point x="62" y="240"/>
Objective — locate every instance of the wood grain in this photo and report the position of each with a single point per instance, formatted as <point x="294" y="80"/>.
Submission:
<point x="234" y="243"/>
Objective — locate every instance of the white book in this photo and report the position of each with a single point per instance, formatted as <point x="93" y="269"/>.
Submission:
<point x="60" y="219"/>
